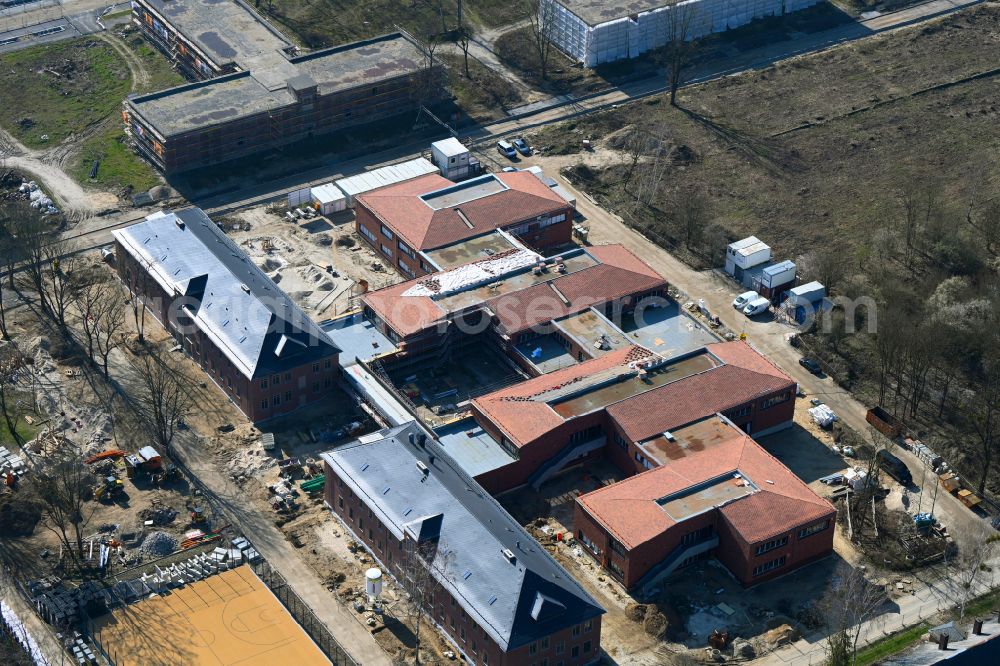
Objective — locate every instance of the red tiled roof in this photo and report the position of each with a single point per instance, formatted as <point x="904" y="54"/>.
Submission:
<point x="522" y="419"/>
<point x="620" y="274"/>
<point x="401" y="208"/>
<point x="629" y="509"/>
<point x="746" y="376"/>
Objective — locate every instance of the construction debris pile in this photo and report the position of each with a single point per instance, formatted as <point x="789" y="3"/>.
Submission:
<point x="157" y="544"/>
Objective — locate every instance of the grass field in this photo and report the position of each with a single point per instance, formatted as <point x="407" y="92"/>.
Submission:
<point x="485" y="94"/>
<point x="319" y="23"/>
<point x="60" y="88"/>
<point x="829" y="182"/>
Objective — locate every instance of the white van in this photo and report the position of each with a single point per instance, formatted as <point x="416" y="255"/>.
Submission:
<point x="756" y="306"/>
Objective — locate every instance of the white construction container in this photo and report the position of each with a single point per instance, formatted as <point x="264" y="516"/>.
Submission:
<point x="452" y="158"/>
<point x="352" y="186"/>
<point x="329" y="199"/>
<point x="745" y="254"/>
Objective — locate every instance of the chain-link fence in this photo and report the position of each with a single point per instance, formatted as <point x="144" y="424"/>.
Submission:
<point x="302" y="613"/>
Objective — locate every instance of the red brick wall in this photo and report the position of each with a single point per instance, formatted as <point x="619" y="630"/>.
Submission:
<point x="246" y="394"/>
<point x="742" y="557"/>
<point x="464" y="632"/>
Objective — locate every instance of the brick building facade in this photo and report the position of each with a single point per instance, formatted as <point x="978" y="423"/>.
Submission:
<point x="499" y="596"/>
<point x="404" y="222"/>
<point x="252" y="341"/>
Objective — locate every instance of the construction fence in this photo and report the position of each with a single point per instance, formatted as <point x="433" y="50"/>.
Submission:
<point x="302" y="613"/>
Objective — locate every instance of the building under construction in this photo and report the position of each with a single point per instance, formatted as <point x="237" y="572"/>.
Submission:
<point x="255" y="93"/>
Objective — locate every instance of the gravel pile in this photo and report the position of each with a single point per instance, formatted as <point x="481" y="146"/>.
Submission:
<point x="158" y="544"/>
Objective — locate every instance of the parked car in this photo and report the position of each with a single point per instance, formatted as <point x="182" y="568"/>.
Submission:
<point x="894" y="467"/>
<point x="507" y="150"/>
<point x="811" y="365"/>
<point x="510" y="169"/>
<point x="741" y="301"/>
<point x="756" y="306"/>
<point x="522" y="146"/>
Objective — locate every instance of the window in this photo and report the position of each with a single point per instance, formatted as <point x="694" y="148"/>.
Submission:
<point x="585" y="435"/>
<point x="616" y="546"/>
<point x="586" y="647"/>
<point x="813" y="529"/>
<point x="315" y="367"/>
<point x="263" y="404"/>
<point x="769" y="566"/>
<point x="315" y="386"/>
<point x="576" y="631"/>
<point x="451" y="621"/>
<point x="587" y="626"/>
<point x="549" y="221"/>
<point x="533" y="649"/>
<point x="738" y="413"/>
<point x="340" y="502"/>
<point x="615" y="569"/>
<point x="385" y="232"/>
<point x="405" y="250"/>
<point x="350" y="513"/>
<point x="560" y="647"/>
<point x="361" y="523"/>
<point x="275" y="400"/>
<point x="461" y="633"/>
<point x="771" y="545"/>
<point x="620" y="441"/>
<point x="386" y="250"/>
<point x="263" y="383"/>
<point x="776" y="400"/>
<point x="406" y="267"/>
<point x="288" y="396"/>
<point x="328" y="363"/>
<point x="545" y="643"/>
<point x="275" y="380"/>
<point x="288" y="376"/>
<point x="519" y="229"/>
<point x="366" y="233"/>
<point x="328" y="382"/>
<point x="575" y="652"/>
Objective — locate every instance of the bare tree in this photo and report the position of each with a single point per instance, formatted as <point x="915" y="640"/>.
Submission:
<point x="464" y="34"/>
<point x="983" y="413"/>
<point x="692" y="215"/>
<point x="541" y="18"/>
<point x="137" y="282"/>
<point x="63" y="488"/>
<point x="973" y="566"/>
<point x="680" y="47"/>
<point x="102" y="313"/>
<point x="164" y="399"/>
<point x="4" y="334"/>
<point x="11" y="364"/>
<point x="851" y="601"/>
<point x="422" y="560"/>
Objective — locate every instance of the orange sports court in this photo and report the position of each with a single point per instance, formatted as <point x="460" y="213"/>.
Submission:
<point x="227" y="619"/>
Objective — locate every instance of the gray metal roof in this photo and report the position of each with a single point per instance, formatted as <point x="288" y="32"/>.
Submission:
<point x="472" y="448"/>
<point x="232" y="301"/>
<point x="780" y="267"/>
<point x="515" y="602"/>
<point x="596" y="12"/>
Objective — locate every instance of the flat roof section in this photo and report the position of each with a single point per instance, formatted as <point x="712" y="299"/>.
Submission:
<point x="464" y="192"/>
<point x="592" y="331"/>
<point x="466" y="251"/>
<point x="511" y="283"/>
<point x="708" y="495"/>
<point x="688" y="440"/>
<point x="545" y="354"/>
<point x="667" y="330"/>
<point x="197" y="105"/>
<point x="227" y="31"/>
<point x="357" y="338"/>
<point x="595" y="12"/>
<point x="228" y="619"/>
<point x="475" y="451"/>
<point x="632" y="385"/>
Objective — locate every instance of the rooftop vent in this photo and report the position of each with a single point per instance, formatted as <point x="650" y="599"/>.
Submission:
<point x="508" y="555"/>
<point x="422" y="467"/>
<point x="245" y="288"/>
<point x="669" y="436"/>
<point x="179" y="222"/>
<point x="493" y="599"/>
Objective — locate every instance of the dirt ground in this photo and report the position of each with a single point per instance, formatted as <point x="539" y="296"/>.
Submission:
<point x="296" y="255"/>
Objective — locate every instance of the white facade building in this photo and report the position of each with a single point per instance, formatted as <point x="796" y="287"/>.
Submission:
<point x="599" y="31"/>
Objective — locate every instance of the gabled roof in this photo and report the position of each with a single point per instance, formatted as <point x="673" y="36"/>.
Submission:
<point x="232" y="301"/>
<point x="517" y="596"/>
<point x="743" y="375"/>
<point x="779" y="500"/>
<point x="401" y="207"/>
<point x="614" y="272"/>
